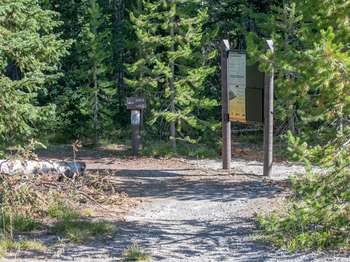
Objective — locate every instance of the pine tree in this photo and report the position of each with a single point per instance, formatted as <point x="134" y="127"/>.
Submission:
<point x="172" y="68"/>
<point x="84" y="95"/>
<point x="318" y="58"/>
<point x="94" y="48"/>
<point x="299" y="40"/>
<point x="30" y="53"/>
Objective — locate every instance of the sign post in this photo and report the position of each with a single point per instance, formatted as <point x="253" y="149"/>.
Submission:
<point x="247" y="96"/>
<point x="136" y="105"/>
<point x="226" y="124"/>
<point x="268" y="116"/>
<point x="136" y="138"/>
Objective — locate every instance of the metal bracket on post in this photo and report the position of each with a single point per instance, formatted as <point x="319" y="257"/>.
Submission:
<point x="227" y="118"/>
<point x="226" y="47"/>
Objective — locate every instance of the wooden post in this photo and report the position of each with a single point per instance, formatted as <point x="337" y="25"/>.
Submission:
<point x="268" y="115"/>
<point x="135" y="123"/>
<point x="136" y="105"/>
<point x="226" y="124"/>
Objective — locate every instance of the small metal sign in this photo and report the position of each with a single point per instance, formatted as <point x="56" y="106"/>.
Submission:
<point x="136" y="103"/>
<point x="237" y="82"/>
<point x="135" y="117"/>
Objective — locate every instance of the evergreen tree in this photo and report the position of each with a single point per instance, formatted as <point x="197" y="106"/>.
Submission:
<point x="30" y="52"/>
<point x="318" y="59"/>
<point x="172" y="68"/>
<point x="308" y="59"/>
<point x="84" y="95"/>
<point x="94" y="48"/>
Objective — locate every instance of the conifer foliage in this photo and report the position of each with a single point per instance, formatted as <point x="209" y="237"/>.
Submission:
<point x="30" y="52"/>
<point x="172" y="66"/>
<point x="94" y="49"/>
<point x="313" y="64"/>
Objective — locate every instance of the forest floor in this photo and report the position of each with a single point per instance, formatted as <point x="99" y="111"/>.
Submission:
<point x="189" y="210"/>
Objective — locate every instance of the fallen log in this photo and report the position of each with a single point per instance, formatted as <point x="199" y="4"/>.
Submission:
<point x="69" y="169"/>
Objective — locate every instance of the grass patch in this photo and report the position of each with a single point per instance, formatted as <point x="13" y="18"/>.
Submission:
<point x="30" y="245"/>
<point x="56" y="203"/>
<point x="135" y="253"/>
<point x="80" y="231"/>
<point x="70" y="225"/>
<point x="62" y="211"/>
<point x="18" y="223"/>
<point x="87" y="212"/>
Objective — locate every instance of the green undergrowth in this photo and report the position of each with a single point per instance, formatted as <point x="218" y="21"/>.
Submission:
<point x="7" y="244"/>
<point x="317" y="216"/>
<point x="74" y="228"/>
<point x="11" y="225"/>
<point x="135" y="253"/>
<point x="80" y="231"/>
<point x="62" y="211"/>
<point x="19" y="223"/>
<point x="28" y="206"/>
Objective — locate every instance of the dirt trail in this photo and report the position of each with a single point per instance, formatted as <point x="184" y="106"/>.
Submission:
<point x="196" y="215"/>
<point x="189" y="214"/>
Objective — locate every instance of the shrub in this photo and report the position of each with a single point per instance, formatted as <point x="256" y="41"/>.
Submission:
<point x="135" y="253"/>
<point x="317" y="217"/>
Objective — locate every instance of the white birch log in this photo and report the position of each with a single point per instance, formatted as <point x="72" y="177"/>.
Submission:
<point x="69" y="169"/>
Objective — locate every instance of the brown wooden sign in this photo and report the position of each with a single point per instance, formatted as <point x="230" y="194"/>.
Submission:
<point x="136" y="103"/>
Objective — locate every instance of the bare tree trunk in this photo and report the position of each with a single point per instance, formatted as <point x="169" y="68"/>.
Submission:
<point x="119" y="6"/>
<point x="96" y="104"/>
<point x="171" y="81"/>
<point x="290" y="29"/>
<point x="341" y="120"/>
<point x="291" y="121"/>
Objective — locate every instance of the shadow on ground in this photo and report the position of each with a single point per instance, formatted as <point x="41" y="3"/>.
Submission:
<point x="217" y="238"/>
<point x="181" y="185"/>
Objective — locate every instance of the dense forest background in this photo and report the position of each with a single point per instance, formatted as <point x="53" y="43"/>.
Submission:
<point x="67" y="67"/>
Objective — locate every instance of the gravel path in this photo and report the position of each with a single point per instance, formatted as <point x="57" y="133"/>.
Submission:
<point x="191" y="211"/>
<point x="202" y="216"/>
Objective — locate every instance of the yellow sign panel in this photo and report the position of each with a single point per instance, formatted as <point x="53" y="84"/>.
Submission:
<point x="238" y="110"/>
<point x="237" y="86"/>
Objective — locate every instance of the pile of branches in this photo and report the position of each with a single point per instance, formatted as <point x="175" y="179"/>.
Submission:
<point x="32" y="195"/>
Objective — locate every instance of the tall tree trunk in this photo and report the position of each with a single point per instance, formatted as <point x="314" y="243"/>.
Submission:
<point x="291" y="121"/>
<point x="341" y="120"/>
<point x="172" y="79"/>
<point x="119" y="7"/>
<point x="287" y="35"/>
<point x="96" y="103"/>
<point x="95" y="106"/>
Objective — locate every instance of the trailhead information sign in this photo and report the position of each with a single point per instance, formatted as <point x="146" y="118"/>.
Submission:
<point x="237" y="82"/>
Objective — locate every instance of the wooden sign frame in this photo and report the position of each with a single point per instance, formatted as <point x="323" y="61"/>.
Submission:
<point x="136" y="103"/>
